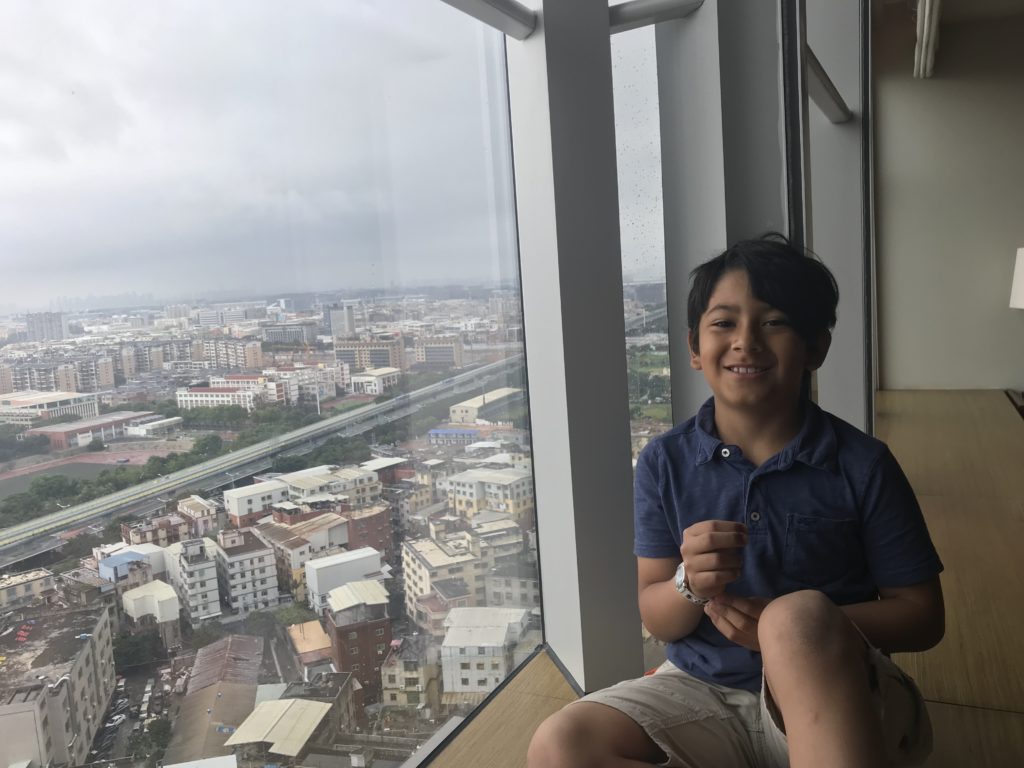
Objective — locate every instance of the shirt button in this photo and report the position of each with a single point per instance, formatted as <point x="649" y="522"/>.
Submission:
<point x="726" y="453"/>
<point x="755" y="516"/>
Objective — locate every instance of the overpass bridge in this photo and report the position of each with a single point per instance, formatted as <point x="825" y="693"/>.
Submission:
<point x="15" y="538"/>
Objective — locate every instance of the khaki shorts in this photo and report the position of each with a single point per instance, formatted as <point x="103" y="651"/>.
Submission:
<point x="704" y="725"/>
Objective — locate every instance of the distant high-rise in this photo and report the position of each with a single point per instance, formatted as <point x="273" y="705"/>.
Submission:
<point x="343" y="321"/>
<point x="45" y="326"/>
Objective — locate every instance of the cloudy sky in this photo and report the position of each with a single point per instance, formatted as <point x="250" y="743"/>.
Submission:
<point x="185" y="148"/>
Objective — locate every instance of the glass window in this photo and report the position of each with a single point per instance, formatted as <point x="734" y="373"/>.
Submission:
<point x="641" y="224"/>
<point x="216" y="236"/>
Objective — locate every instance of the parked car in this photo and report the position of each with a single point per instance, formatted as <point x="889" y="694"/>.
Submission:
<point x="115" y="721"/>
<point x="119" y="706"/>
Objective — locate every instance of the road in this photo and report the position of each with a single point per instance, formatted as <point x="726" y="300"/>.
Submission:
<point x="350" y="422"/>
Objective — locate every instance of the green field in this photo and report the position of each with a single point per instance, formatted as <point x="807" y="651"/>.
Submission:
<point x="82" y="471"/>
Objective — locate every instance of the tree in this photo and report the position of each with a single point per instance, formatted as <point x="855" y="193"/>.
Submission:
<point x="205" y="634"/>
<point x="160" y="732"/>
<point x="134" y="650"/>
<point x="96" y="445"/>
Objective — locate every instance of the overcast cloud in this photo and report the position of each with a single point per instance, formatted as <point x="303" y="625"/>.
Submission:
<point x="255" y="146"/>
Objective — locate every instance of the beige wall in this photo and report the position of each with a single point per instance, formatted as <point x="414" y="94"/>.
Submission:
<point x="950" y="206"/>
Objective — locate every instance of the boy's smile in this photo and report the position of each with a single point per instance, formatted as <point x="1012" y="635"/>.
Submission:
<point x="749" y="353"/>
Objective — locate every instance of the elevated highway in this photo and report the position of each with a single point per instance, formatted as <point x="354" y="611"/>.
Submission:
<point x="200" y="476"/>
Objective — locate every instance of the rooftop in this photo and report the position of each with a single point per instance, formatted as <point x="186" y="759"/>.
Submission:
<point x="384" y="462"/>
<point x="28" y="398"/>
<point x="284" y="725"/>
<point x="489" y="397"/>
<point x="365" y="592"/>
<point x="344" y="557"/>
<point x="232" y="659"/>
<point x="95" y="421"/>
<point x="198" y="730"/>
<point x="13" y="579"/>
<point x="250" y="543"/>
<point x="45" y="644"/>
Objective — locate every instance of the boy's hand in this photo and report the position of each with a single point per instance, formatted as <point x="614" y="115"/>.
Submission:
<point x="712" y="553"/>
<point x="736" y="618"/>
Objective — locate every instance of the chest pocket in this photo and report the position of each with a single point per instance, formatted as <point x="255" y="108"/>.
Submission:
<point x="820" y="550"/>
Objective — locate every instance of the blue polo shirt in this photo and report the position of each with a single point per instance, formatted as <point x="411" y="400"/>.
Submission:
<point x="832" y="511"/>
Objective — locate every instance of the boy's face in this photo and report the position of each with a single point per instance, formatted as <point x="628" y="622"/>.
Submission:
<point x="750" y="355"/>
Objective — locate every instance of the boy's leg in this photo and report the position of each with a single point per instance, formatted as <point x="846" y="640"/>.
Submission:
<point x="816" y="665"/>
<point x="592" y="735"/>
<point x="668" y="718"/>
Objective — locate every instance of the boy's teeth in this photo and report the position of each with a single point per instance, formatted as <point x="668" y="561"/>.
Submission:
<point x="739" y="369"/>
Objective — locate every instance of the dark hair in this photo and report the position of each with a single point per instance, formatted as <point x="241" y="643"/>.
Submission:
<point x="791" y="279"/>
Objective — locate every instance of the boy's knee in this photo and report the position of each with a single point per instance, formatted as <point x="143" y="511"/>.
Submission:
<point x="804" y="624"/>
<point x="556" y="741"/>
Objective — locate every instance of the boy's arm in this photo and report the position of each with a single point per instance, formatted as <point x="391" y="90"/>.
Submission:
<point x="903" y="618"/>
<point x="666" y="613"/>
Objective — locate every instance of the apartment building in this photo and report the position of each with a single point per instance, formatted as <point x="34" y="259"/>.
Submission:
<point x="359" y="626"/>
<point x="45" y="326"/>
<point x="509" y="491"/>
<point x="295" y="544"/>
<point x="161" y="530"/>
<point x="249" y="503"/>
<point x="360" y="486"/>
<point x="387" y="351"/>
<point x="56" y="681"/>
<point x="246" y="571"/>
<point x="233" y="354"/>
<point x="192" y="571"/>
<point x="25" y="588"/>
<point x="514" y="584"/>
<point x="202" y="515"/>
<point x="410" y="675"/>
<point x="444" y="352"/>
<point x="451" y="552"/>
<point x="325" y="574"/>
<point x="481" y="647"/>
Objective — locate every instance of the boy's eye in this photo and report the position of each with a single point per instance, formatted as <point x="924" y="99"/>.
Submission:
<point x="721" y="323"/>
<point x="776" y="321"/>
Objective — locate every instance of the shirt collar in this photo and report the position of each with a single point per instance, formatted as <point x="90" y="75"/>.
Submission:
<point x="814" y="444"/>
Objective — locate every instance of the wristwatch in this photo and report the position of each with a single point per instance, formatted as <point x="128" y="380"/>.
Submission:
<point x="684" y="588"/>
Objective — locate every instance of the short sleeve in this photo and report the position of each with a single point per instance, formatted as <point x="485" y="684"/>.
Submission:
<point x="899" y="548"/>
<point x="653" y="530"/>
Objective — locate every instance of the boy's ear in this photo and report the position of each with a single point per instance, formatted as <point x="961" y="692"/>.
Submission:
<point x="694" y="354"/>
<point x="817" y="352"/>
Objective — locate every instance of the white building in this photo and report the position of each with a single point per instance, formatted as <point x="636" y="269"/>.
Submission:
<point x="209" y="397"/>
<point x="376" y="381"/>
<point x="479" y="650"/>
<point x="468" y="411"/>
<point x="28" y="407"/>
<point x="24" y="588"/>
<point x="192" y="571"/>
<point x="361" y="486"/>
<point x="250" y="502"/>
<point x="326" y="573"/>
<point x="203" y="515"/>
<point x="295" y="544"/>
<point x="155" y="604"/>
<point x="246" y="571"/>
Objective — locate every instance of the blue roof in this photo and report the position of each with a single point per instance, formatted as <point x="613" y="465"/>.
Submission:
<point x="121" y="558"/>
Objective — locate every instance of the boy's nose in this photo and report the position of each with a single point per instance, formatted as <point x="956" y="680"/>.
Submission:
<point x="747" y="338"/>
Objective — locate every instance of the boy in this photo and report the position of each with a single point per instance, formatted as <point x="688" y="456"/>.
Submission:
<point x="778" y="549"/>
